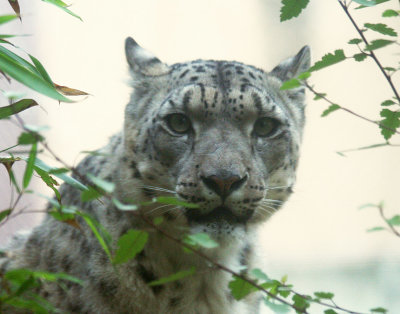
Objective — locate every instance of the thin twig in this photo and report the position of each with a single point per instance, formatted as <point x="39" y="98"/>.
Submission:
<point x="393" y="229"/>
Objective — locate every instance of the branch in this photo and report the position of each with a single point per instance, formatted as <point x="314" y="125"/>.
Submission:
<point x="393" y="229"/>
<point x="320" y="95"/>
<point x="371" y="53"/>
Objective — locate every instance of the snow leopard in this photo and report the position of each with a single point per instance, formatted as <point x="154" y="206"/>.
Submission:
<point x="221" y="135"/>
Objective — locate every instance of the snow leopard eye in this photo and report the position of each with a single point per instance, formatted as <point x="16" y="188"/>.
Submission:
<point x="178" y="123"/>
<point x="265" y="127"/>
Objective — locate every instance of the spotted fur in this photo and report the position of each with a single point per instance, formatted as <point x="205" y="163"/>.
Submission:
<point x="220" y="162"/>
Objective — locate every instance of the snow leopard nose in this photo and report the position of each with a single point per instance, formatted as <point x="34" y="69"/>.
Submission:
<point x="224" y="183"/>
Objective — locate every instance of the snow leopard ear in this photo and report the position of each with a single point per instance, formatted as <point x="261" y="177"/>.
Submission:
<point x="293" y="66"/>
<point x="143" y="62"/>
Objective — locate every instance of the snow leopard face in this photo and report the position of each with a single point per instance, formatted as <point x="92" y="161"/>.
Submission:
<point x="218" y="134"/>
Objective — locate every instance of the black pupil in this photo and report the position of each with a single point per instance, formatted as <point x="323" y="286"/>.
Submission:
<point x="179" y="123"/>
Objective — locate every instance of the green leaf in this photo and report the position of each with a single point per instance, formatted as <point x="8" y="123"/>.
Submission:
<point x="259" y="274"/>
<point x="129" y="245"/>
<point x="379" y="310"/>
<point x="50" y="182"/>
<point x="121" y="206"/>
<point x="389" y="69"/>
<point x="378" y="43"/>
<point x="368" y="205"/>
<point x="330" y="109"/>
<point x="381" y="28"/>
<point x="301" y="302"/>
<point x="367" y="3"/>
<point x="27" y="138"/>
<point x="319" y="96"/>
<point x="29" y="166"/>
<point x="62" y="6"/>
<point x="355" y="41"/>
<point x="391" y="120"/>
<point x="67" y="179"/>
<point x="90" y="194"/>
<point x="304" y="75"/>
<point x="360" y="56"/>
<point x="240" y="288"/>
<point x="173" y="201"/>
<point x="328" y="60"/>
<point x="99" y="232"/>
<point x="292" y="83"/>
<point x="27" y="74"/>
<point x="104" y="185"/>
<point x="387" y="103"/>
<point x="292" y="8"/>
<point x="390" y="13"/>
<point x="374" y="229"/>
<point x="41" y="70"/>
<point x="16" y="107"/>
<point x="173" y="277"/>
<point x="324" y="295"/>
<point x="4" y="214"/>
<point x="394" y="221"/>
<point x="277" y="308"/>
<point x="7" y="18"/>
<point x="330" y="311"/>
<point x="201" y="239"/>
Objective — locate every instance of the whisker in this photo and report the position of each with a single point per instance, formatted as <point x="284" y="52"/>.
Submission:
<point x="278" y="187"/>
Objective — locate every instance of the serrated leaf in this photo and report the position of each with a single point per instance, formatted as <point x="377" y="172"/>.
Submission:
<point x="354" y="41"/>
<point x="378" y="43"/>
<point x="173" y="201"/>
<point x="300" y="302"/>
<point x="379" y="310"/>
<point x="390" y="13"/>
<point x="16" y="107"/>
<point x="129" y="245"/>
<point x="394" y="221"/>
<point x="122" y="206"/>
<point x="174" y="277"/>
<point x="4" y="214"/>
<point x="360" y="56"/>
<point x="374" y="229"/>
<point x="201" y="239"/>
<point x="292" y="8"/>
<point x="387" y="103"/>
<point x="240" y="288"/>
<point x="391" y="120"/>
<point x="63" y="6"/>
<point x="7" y="18"/>
<point x="29" y="166"/>
<point x="324" y="295"/>
<point x="381" y="28"/>
<point x="330" y="109"/>
<point x="292" y="83"/>
<point x="328" y="60"/>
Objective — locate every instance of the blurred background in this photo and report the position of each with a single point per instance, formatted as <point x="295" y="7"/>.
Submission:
<point x="319" y="238"/>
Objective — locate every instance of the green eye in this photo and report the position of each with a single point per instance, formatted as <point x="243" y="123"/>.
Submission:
<point x="265" y="127"/>
<point x="178" y="123"/>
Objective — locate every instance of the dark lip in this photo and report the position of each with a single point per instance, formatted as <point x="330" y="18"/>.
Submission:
<point x="220" y="213"/>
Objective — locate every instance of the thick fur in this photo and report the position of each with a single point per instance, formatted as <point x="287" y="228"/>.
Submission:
<point x="223" y="101"/>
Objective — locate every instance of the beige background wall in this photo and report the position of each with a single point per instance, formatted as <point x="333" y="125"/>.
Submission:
<point x="319" y="238"/>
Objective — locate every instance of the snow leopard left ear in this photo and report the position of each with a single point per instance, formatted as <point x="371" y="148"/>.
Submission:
<point x="293" y="66"/>
<point x="143" y="62"/>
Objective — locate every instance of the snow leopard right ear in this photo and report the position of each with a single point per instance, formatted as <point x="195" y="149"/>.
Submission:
<point x="143" y="62"/>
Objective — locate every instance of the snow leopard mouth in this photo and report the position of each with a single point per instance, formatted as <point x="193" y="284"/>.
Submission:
<point x="218" y="214"/>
